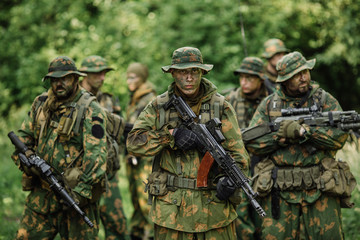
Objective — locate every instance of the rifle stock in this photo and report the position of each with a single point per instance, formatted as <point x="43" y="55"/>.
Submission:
<point x="47" y="175"/>
<point x="217" y="152"/>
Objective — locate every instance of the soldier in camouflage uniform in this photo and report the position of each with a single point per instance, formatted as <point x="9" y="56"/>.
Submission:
<point x="82" y="154"/>
<point x="290" y="179"/>
<point x="245" y="100"/>
<point x="138" y="169"/>
<point x="111" y="207"/>
<point x="274" y="49"/>
<point x="181" y="210"/>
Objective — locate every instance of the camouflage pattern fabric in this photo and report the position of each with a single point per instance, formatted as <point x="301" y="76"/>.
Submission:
<point x="270" y="80"/>
<point x="111" y="207"/>
<point x="319" y="208"/>
<point x="112" y="212"/>
<point x="162" y="233"/>
<point x="273" y="46"/>
<point x="187" y="210"/>
<point x="109" y="102"/>
<point x="87" y="151"/>
<point x="140" y="224"/>
<point x="245" y="109"/>
<point x="94" y="64"/>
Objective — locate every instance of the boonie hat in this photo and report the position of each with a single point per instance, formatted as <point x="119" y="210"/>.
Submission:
<point x="94" y="64"/>
<point x="252" y="65"/>
<point x="273" y="46"/>
<point x="187" y="57"/>
<point x="61" y="67"/>
<point x="291" y="64"/>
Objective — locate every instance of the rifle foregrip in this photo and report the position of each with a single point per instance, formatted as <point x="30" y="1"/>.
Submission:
<point x="17" y="143"/>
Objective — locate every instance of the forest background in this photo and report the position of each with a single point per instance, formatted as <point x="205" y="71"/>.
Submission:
<point x="34" y="32"/>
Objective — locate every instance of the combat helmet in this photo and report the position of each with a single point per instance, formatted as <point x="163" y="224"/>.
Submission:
<point x="252" y="65"/>
<point x="61" y="67"/>
<point x="273" y="46"/>
<point x="187" y="57"/>
<point x="291" y="64"/>
<point x="94" y="64"/>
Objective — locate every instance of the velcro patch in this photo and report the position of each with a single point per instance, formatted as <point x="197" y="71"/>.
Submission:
<point x="97" y="131"/>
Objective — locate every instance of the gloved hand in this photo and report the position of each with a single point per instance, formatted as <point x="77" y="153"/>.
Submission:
<point x="289" y="129"/>
<point x="224" y="189"/>
<point x="185" y="139"/>
<point x="80" y="200"/>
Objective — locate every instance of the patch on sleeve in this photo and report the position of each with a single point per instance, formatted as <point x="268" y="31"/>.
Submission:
<point x="97" y="131"/>
<point x="97" y="119"/>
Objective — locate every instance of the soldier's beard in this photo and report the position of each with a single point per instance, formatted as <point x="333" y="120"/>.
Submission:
<point x="69" y="91"/>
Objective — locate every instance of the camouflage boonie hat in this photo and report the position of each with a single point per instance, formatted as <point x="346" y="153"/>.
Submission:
<point x="62" y="66"/>
<point x="94" y="64"/>
<point x="252" y="65"/>
<point x="291" y="64"/>
<point x="187" y="57"/>
<point x="273" y="46"/>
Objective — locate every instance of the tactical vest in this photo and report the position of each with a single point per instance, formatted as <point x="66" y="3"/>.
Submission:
<point x="208" y="110"/>
<point x="275" y="105"/>
<point x="72" y="121"/>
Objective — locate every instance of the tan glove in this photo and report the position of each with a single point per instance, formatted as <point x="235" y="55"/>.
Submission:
<point x="289" y="129"/>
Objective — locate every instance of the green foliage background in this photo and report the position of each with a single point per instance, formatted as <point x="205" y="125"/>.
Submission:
<point x="33" y="32"/>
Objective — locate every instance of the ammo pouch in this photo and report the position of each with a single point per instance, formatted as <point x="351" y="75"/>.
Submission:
<point x="336" y="178"/>
<point x="262" y="180"/>
<point x="67" y="122"/>
<point x="156" y="185"/>
<point x="298" y="178"/>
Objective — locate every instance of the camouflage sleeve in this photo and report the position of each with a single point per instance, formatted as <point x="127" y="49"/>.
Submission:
<point x="145" y="139"/>
<point x="94" y="144"/>
<point x="326" y="138"/>
<point x="268" y="143"/>
<point x="26" y="133"/>
<point x="231" y="131"/>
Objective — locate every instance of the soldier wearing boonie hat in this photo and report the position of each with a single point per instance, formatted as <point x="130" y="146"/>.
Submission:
<point x="77" y="151"/>
<point x="111" y="209"/>
<point x="274" y="49"/>
<point x="245" y="100"/>
<point x="297" y="150"/>
<point x="159" y="132"/>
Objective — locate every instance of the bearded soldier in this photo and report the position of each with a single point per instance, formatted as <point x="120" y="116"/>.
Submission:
<point x="294" y="187"/>
<point x="70" y="144"/>
<point x="181" y="210"/>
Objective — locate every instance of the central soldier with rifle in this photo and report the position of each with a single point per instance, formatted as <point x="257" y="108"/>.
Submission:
<point x="191" y="198"/>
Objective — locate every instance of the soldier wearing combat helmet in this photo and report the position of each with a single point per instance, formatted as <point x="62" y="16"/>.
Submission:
<point x="297" y="154"/>
<point x="274" y="50"/>
<point x="181" y="210"/>
<point x="78" y="151"/>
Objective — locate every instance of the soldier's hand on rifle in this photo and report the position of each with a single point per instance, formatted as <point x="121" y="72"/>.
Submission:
<point x="290" y="129"/>
<point x="224" y="188"/>
<point x="185" y="139"/>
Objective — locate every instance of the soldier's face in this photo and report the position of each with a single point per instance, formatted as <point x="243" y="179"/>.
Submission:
<point x="299" y="84"/>
<point x="249" y="83"/>
<point x="133" y="81"/>
<point x="187" y="80"/>
<point x="63" y="87"/>
<point x="96" y="80"/>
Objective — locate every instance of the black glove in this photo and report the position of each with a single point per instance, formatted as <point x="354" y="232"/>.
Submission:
<point x="186" y="139"/>
<point x="224" y="188"/>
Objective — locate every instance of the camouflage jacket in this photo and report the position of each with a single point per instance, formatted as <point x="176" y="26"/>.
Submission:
<point x="109" y="102"/>
<point x="139" y="99"/>
<point x="244" y="107"/>
<point x="87" y="151"/>
<point x="326" y="140"/>
<point x="187" y="210"/>
<point x="270" y="81"/>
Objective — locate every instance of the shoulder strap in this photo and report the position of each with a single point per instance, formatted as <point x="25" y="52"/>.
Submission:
<point x="319" y="98"/>
<point x="39" y="118"/>
<point x="161" y="100"/>
<point x="274" y="106"/>
<point x="82" y="104"/>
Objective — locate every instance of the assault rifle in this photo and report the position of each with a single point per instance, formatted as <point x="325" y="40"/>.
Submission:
<point x="344" y="120"/>
<point x="47" y="174"/>
<point x="213" y="151"/>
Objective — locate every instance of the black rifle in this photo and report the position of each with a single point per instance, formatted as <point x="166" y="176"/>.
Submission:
<point x="214" y="151"/>
<point x="47" y="175"/>
<point x="344" y="120"/>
